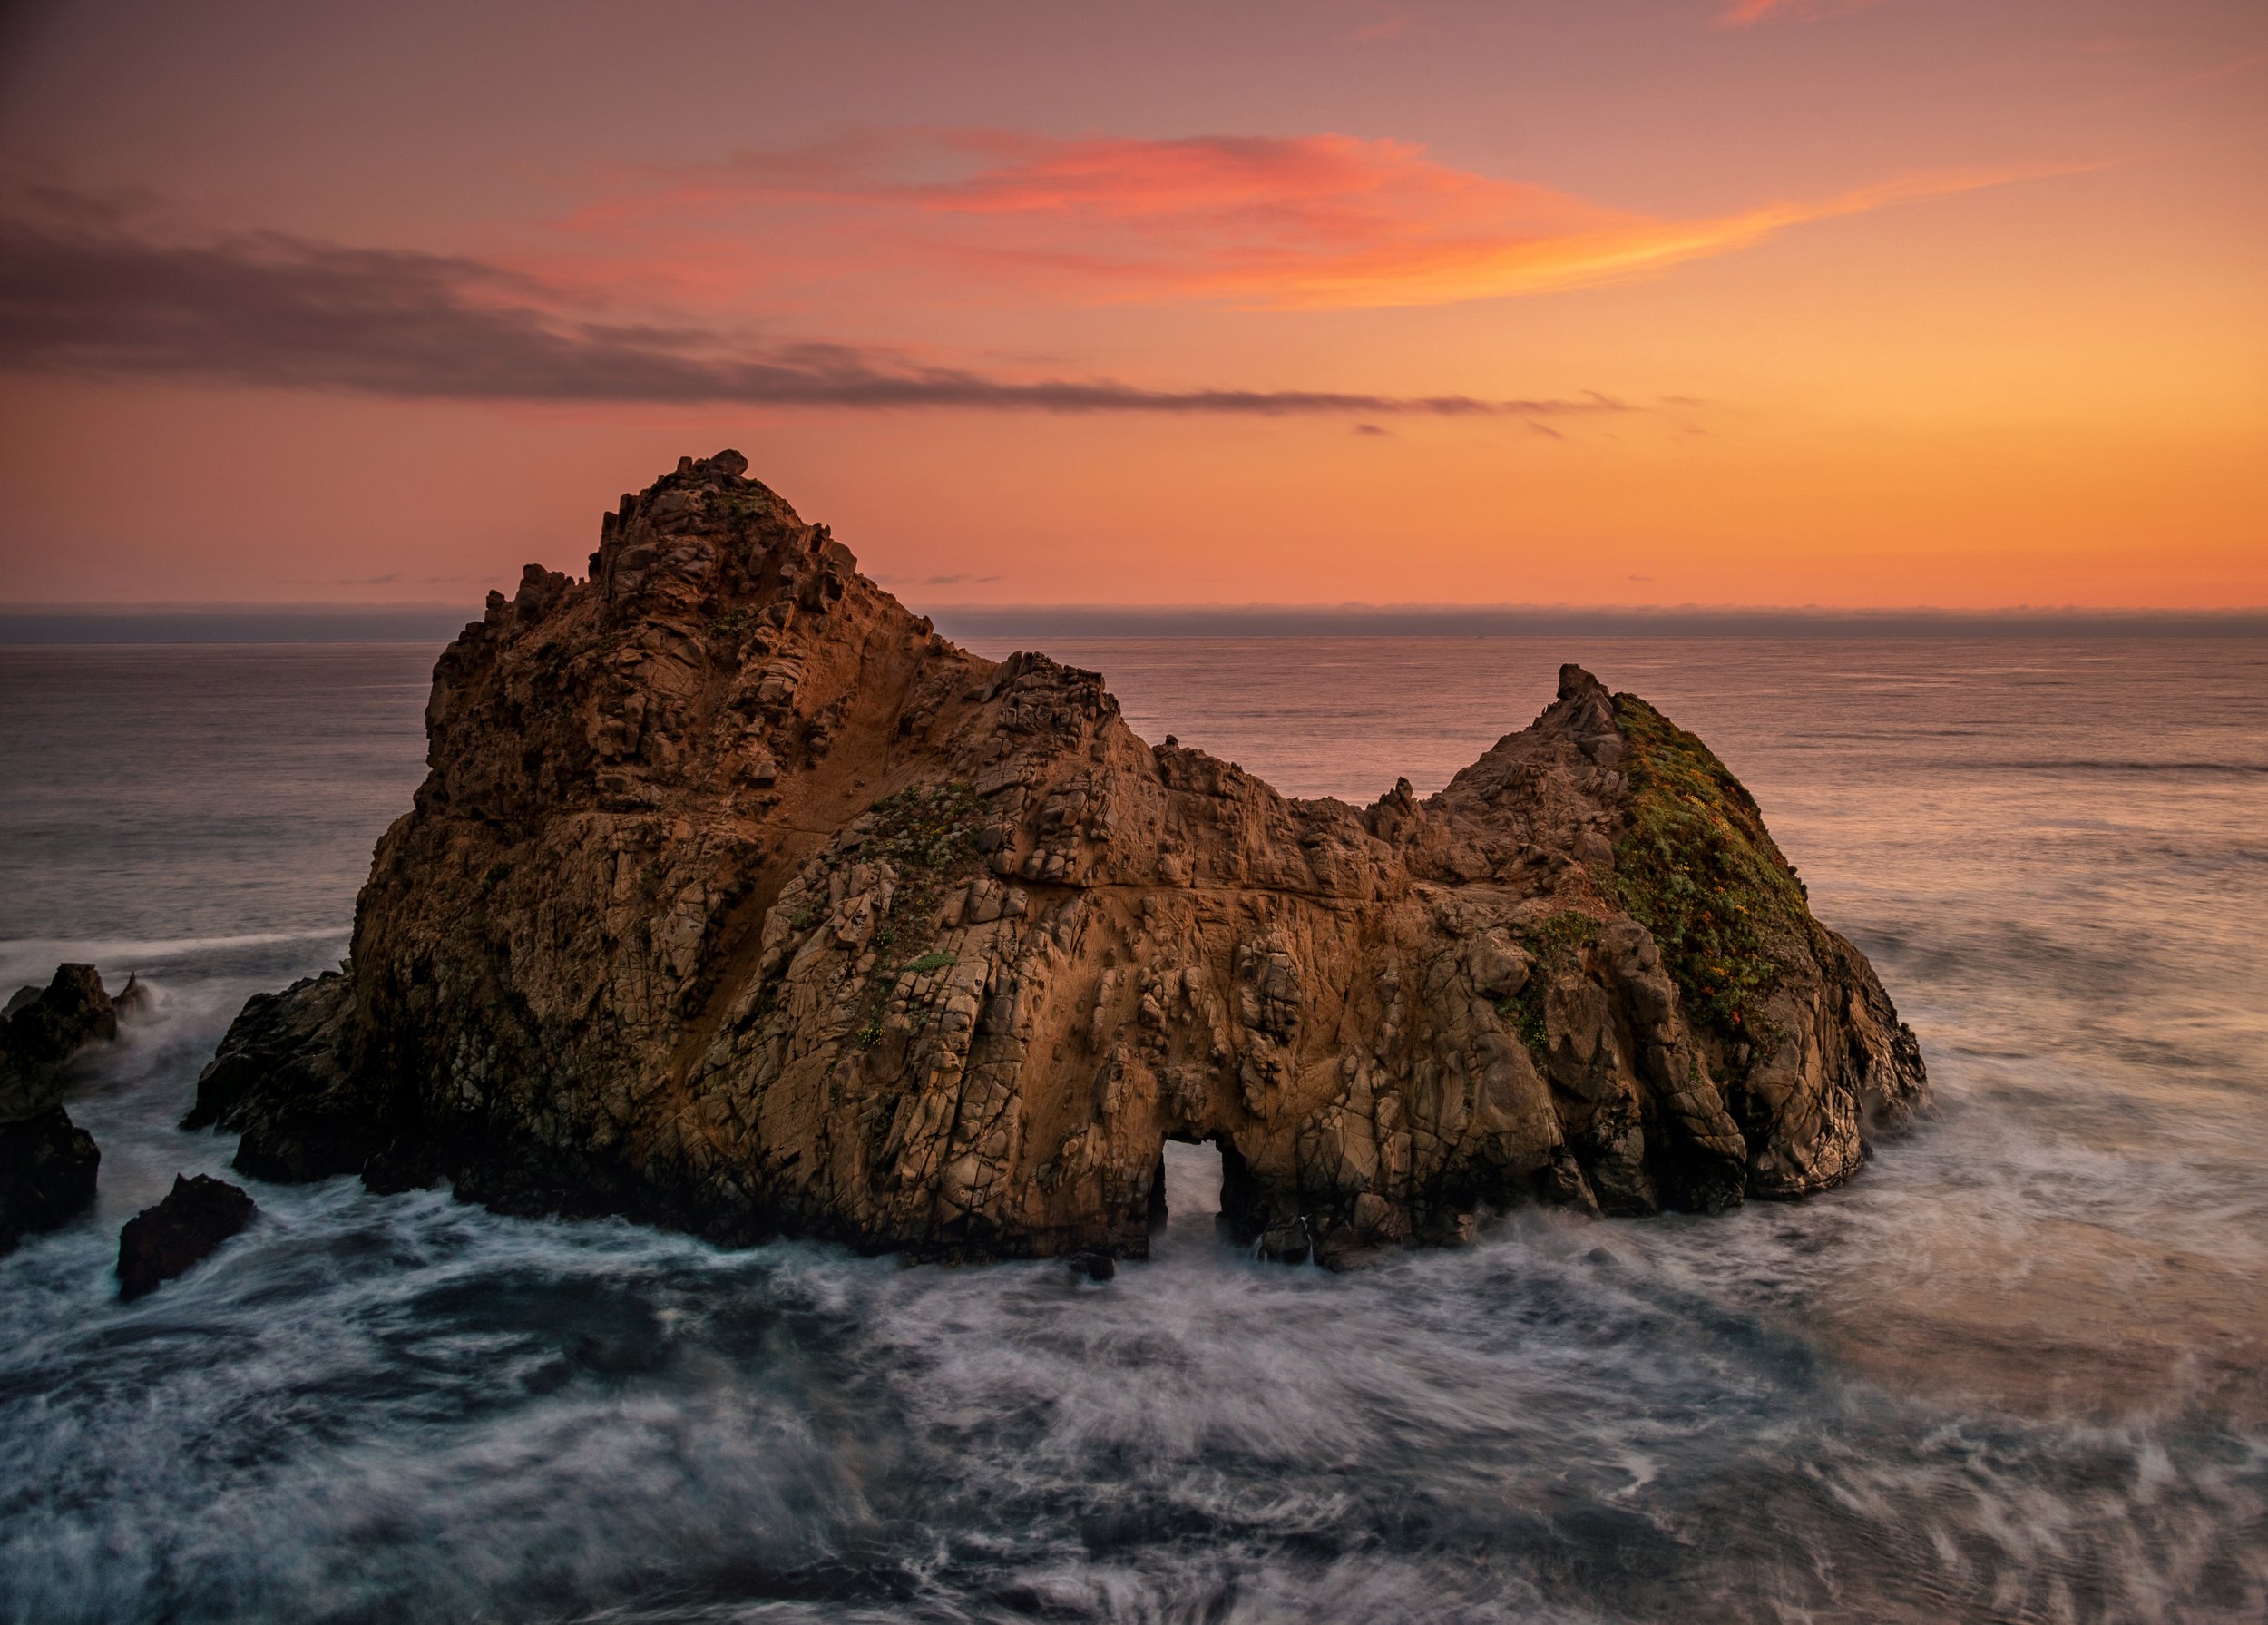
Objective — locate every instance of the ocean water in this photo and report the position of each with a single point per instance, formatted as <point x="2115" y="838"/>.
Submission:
<point x="2015" y="1372"/>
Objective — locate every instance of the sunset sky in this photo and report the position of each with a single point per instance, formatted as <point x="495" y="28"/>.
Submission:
<point x="1918" y="302"/>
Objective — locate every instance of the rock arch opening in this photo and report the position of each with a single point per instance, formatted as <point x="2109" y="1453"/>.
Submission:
<point x="1185" y="1200"/>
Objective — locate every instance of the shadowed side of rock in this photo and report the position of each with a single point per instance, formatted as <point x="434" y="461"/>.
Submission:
<point x="48" y="1165"/>
<point x="737" y="899"/>
<point x="281" y="1079"/>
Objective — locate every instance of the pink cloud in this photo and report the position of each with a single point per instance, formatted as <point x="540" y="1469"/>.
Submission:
<point x="1252" y="221"/>
<point x="1747" y="13"/>
<point x="1390" y="27"/>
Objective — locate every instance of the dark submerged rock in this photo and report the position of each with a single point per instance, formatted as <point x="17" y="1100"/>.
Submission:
<point x="739" y="900"/>
<point x="160" y="1243"/>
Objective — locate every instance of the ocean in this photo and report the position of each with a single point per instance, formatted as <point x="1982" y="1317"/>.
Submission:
<point x="2017" y="1371"/>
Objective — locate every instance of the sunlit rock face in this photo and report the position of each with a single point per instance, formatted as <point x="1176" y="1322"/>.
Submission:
<point x="738" y="899"/>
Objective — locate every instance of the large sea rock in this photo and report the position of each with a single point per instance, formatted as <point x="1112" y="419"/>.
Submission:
<point x="737" y="899"/>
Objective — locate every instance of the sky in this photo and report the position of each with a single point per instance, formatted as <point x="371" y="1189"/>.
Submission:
<point x="1629" y="302"/>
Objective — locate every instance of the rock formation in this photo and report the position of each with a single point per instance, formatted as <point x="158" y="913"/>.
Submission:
<point x="737" y="899"/>
<point x="44" y="1029"/>
<point x="162" y="1243"/>
<point x="47" y="1164"/>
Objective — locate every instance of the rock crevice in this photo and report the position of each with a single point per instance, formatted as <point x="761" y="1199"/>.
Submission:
<point x="738" y="899"/>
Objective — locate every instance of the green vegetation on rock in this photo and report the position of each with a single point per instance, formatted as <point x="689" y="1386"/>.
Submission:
<point x="1524" y="1010"/>
<point x="928" y="835"/>
<point x="1558" y="942"/>
<point x="925" y="828"/>
<point x="1557" y="946"/>
<point x="1698" y="869"/>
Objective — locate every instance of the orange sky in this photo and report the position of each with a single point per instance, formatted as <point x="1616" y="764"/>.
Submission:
<point x="1742" y="302"/>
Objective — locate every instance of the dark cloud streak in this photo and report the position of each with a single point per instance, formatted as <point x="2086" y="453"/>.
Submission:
<point x="81" y="297"/>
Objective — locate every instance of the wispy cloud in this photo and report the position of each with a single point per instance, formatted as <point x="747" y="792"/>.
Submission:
<point x="90" y="297"/>
<point x="1392" y="26"/>
<point x="1255" y="222"/>
<point x="2229" y="69"/>
<point x="1747" y="13"/>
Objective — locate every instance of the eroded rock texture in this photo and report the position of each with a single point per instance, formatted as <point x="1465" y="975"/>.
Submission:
<point x="739" y="900"/>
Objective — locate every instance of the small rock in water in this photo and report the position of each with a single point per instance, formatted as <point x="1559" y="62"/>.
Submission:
<point x="1093" y="1267"/>
<point x="136" y="1000"/>
<point x="171" y="1238"/>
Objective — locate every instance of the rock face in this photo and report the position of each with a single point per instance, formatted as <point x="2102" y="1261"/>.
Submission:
<point x="47" y="1165"/>
<point x="737" y="899"/>
<point x="181" y="1232"/>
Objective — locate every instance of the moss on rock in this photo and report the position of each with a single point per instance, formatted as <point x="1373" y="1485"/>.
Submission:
<point x="928" y="835"/>
<point x="1698" y="869"/>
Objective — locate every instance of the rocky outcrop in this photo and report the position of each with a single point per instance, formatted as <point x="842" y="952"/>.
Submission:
<point x="737" y="899"/>
<point x="321" y="1124"/>
<point x="162" y="1243"/>
<point x="44" y="1030"/>
<point x="47" y="1165"/>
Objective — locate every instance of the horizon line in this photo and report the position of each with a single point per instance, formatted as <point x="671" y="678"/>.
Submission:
<point x="1350" y="607"/>
<point x="316" y="621"/>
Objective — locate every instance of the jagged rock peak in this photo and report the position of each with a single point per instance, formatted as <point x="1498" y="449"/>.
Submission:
<point x="738" y="899"/>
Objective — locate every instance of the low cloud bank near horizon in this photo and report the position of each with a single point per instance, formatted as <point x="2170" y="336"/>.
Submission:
<point x="89" y="297"/>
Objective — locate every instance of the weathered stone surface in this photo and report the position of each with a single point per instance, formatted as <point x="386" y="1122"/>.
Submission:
<point x="160" y="1243"/>
<point x="737" y="899"/>
<point x="47" y="1165"/>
